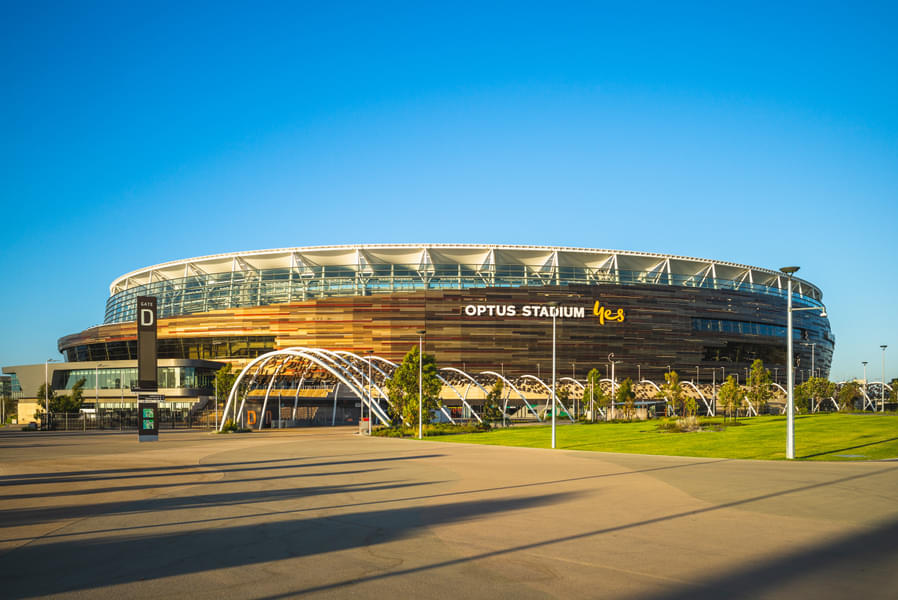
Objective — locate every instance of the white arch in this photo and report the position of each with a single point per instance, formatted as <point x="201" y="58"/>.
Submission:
<point x="465" y="402"/>
<point x="516" y="390"/>
<point x="582" y="387"/>
<point x="702" y="396"/>
<point x="264" y="358"/>
<point x="252" y="380"/>
<point x="274" y="377"/>
<point x="551" y="394"/>
<point x="370" y="360"/>
<point x="334" y="357"/>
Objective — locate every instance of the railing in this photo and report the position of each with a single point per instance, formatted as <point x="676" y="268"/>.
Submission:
<point x="124" y="420"/>
<point x="202" y="293"/>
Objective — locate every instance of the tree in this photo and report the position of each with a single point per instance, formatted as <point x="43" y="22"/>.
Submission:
<point x="848" y="394"/>
<point x="594" y="394"/>
<point x="625" y="396"/>
<point x="814" y="390"/>
<point x="402" y="388"/>
<point x="672" y="390"/>
<point x="492" y="409"/>
<point x="44" y="395"/>
<point x="893" y="395"/>
<point x="224" y="381"/>
<point x="72" y="402"/>
<point x="61" y="403"/>
<point x="564" y="395"/>
<point x="730" y="396"/>
<point x="758" y="390"/>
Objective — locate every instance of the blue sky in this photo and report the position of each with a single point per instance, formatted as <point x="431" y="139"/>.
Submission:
<point x="135" y="134"/>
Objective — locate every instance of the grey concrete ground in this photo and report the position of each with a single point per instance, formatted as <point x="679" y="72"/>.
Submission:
<point x="325" y="513"/>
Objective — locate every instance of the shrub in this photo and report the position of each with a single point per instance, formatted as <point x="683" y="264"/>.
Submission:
<point x="431" y="429"/>
<point x="232" y="427"/>
<point x="680" y="425"/>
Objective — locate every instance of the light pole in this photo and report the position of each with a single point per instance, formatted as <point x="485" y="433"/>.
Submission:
<point x="696" y="374"/>
<point x="420" y="384"/>
<point x="813" y="346"/>
<point x="790" y="375"/>
<point x="97" y="391"/>
<point x="47" y="390"/>
<point x="553" y="309"/>
<point x="370" y="353"/>
<point x="882" y="387"/>
<point x="611" y="404"/>
<point x="865" y="382"/>
<point x="639" y="372"/>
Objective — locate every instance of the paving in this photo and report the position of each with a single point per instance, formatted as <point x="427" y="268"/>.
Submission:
<point x="326" y="513"/>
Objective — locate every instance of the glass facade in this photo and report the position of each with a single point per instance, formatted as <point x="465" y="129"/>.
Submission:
<point x="745" y="328"/>
<point x="124" y="378"/>
<point x="259" y="287"/>
<point x="207" y="348"/>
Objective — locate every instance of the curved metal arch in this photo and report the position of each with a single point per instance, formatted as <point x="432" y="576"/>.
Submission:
<point x="702" y="396"/>
<point x="261" y="361"/>
<point x="582" y="387"/>
<point x="465" y="402"/>
<point x="376" y="409"/>
<point x="516" y="390"/>
<point x="786" y="393"/>
<point x="274" y="377"/>
<point x="252" y="380"/>
<point x="472" y="380"/>
<point x="389" y="362"/>
<point x="334" y="358"/>
<point x="370" y="361"/>
<point x="651" y="383"/>
<point x="462" y="373"/>
<point x="551" y="394"/>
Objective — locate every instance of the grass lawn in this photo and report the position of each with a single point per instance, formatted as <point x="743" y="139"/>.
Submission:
<point x="817" y="437"/>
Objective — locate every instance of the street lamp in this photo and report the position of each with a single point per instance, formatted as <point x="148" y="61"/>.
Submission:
<point x="612" y="361"/>
<point x="553" y="309"/>
<point x="813" y="346"/>
<point x="882" y="388"/>
<point x="47" y="390"/>
<point x="97" y="391"/>
<point x="369" y="353"/>
<point x="420" y="384"/>
<point x="863" y="362"/>
<point x="790" y="395"/>
<point x="639" y="372"/>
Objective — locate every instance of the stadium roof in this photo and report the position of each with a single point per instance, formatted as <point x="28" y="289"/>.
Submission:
<point x="541" y="261"/>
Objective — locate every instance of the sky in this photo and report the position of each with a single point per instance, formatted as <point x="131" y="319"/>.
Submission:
<point x="136" y="133"/>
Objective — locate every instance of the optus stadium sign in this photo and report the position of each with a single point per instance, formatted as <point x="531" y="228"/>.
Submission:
<point x="541" y="311"/>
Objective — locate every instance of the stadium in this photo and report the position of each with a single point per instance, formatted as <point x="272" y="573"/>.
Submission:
<point x="484" y="311"/>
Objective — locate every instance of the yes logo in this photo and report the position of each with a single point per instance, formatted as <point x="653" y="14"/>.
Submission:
<point x="606" y="314"/>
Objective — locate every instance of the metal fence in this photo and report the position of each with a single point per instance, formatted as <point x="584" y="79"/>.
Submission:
<point x="122" y="420"/>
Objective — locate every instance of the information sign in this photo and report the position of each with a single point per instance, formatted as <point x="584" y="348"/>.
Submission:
<point x="148" y="421"/>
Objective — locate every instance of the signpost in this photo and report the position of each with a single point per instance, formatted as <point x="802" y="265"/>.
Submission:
<point x="148" y="419"/>
<point x="147" y="378"/>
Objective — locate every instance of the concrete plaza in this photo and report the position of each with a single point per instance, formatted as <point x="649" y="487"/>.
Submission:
<point x="323" y="512"/>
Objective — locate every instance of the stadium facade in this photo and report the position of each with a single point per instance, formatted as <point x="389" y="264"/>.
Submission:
<point x="481" y="308"/>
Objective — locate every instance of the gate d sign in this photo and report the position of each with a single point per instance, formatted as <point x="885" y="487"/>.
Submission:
<point x="146" y="344"/>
